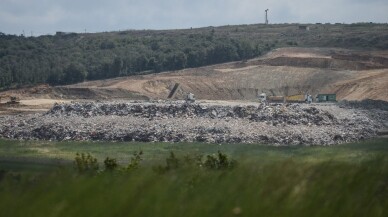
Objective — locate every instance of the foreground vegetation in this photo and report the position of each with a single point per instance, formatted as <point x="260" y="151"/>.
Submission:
<point x="70" y="58"/>
<point x="178" y="180"/>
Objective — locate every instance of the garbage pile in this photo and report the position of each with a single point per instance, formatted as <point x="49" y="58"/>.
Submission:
<point x="276" y="124"/>
<point x="375" y="109"/>
<point x="276" y="114"/>
<point x="365" y="104"/>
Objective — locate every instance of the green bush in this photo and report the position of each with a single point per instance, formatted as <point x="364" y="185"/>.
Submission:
<point x="85" y="163"/>
<point x="110" y="164"/>
<point x="219" y="162"/>
<point x="212" y="162"/>
<point x="135" y="160"/>
<point x="172" y="163"/>
<point x="193" y="160"/>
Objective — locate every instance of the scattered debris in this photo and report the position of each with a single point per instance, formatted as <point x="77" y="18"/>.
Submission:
<point x="365" y="104"/>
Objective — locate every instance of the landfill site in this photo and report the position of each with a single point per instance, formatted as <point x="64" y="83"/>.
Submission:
<point x="278" y="124"/>
<point x="288" y="97"/>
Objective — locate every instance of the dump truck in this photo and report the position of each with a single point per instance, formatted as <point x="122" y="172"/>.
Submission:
<point x="324" y="97"/>
<point x="299" y="98"/>
<point x="264" y="98"/>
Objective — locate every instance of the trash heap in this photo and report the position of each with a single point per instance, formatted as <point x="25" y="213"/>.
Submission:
<point x="277" y="124"/>
<point x="365" y="104"/>
<point x="276" y="114"/>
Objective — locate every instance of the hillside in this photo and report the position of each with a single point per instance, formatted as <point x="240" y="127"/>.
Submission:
<point x="70" y="58"/>
<point x="352" y="75"/>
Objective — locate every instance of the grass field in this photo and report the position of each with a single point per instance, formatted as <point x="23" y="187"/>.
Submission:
<point x="53" y="152"/>
<point x="344" y="180"/>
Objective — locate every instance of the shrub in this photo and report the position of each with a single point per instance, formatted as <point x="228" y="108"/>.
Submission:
<point x="110" y="164"/>
<point x="85" y="163"/>
<point x="135" y="160"/>
<point x="193" y="160"/>
<point x="212" y="162"/>
<point x="219" y="162"/>
<point x="171" y="163"/>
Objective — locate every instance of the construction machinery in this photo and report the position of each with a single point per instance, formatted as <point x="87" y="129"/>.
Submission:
<point x="173" y="91"/>
<point x="324" y="97"/>
<point x="190" y="98"/>
<point x="299" y="98"/>
<point x="264" y="98"/>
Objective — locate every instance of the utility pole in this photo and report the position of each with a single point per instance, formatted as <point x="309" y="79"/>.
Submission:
<point x="266" y="16"/>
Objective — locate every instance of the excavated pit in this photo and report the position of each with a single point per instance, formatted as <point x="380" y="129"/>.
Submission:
<point x="275" y="124"/>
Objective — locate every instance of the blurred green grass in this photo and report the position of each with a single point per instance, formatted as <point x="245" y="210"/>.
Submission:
<point x="154" y="152"/>
<point x="344" y="180"/>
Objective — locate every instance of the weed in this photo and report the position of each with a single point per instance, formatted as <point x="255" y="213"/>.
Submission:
<point x="135" y="160"/>
<point x="110" y="164"/>
<point x="219" y="162"/>
<point x="193" y="160"/>
<point x="172" y="162"/>
<point x="85" y="163"/>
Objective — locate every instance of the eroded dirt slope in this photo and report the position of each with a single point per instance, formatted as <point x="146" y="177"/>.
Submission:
<point x="353" y="75"/>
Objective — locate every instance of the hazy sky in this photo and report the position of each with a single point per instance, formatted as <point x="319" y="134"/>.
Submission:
<point x="49" y="16"/>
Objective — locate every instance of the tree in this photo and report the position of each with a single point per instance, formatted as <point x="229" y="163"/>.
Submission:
<point x="117" y="66"/>
<point x="141" y="63"/>
<point x="180" y="60"/>
<point x="55" y="78"/>
<point x="245" y="50"/>
<point x="74" y="73"/>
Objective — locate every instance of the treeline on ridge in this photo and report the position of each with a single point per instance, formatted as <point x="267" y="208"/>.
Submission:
<point x="68" y="58"/>
<point x="73" y="58"/>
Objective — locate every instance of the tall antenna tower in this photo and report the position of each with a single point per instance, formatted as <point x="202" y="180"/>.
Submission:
<point x="266" y="16"/>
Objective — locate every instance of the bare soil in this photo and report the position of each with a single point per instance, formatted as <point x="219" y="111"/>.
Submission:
<point x="352" y="75"/>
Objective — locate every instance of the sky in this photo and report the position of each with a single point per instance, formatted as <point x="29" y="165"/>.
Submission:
<point x="40" y="17"/>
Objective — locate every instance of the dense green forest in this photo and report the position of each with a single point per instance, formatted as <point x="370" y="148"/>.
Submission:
<point x="67" y="58"/>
